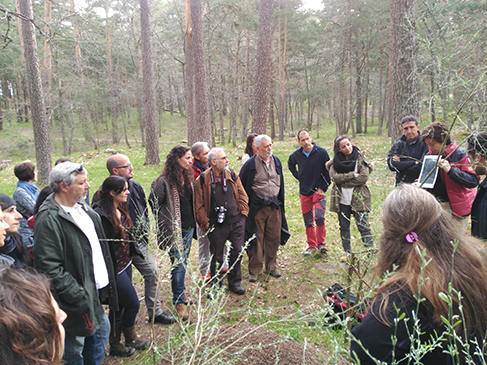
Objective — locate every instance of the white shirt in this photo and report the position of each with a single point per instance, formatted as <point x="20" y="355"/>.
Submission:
<point x="85" y="223"/>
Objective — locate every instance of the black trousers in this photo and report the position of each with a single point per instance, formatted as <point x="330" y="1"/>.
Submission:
<point x="235" y="233"/>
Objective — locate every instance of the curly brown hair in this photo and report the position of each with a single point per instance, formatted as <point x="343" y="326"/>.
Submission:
<point x="172" y="172"/>
<point x="29" y="327"/>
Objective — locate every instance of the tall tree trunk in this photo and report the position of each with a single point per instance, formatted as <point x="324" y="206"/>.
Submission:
<point x="47" y="63"/>
<point x="200" y="82"/>
<point x="381" y="92"/>
<point x="152" y="142"/>
<point x="79" y="71"/>
<point x="189" y="76"/>
<point x="111" y="83"/>
<point x="244" y="119"/>
<point x="263" y="77"/>
<point x="404" y="70"/>
<point x="282" y="95"/>
<point x="39" y="123"/>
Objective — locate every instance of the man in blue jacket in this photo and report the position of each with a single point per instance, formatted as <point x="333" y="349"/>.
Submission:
<point x="307" y="164"/>
<point x="406" y="154"/>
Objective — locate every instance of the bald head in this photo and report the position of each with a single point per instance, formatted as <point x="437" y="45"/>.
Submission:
<point x="119" y="164"/>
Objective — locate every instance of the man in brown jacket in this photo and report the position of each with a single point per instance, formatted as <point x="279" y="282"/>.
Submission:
<point x="221" y="204"/>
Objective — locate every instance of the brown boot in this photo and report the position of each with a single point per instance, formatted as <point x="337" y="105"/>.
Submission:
<point x="116" y="347"/>
<point x="182" y="311"/>
<point x="132" y="340"/>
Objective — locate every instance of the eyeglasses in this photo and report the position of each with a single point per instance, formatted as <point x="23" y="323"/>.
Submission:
<point x="124" y="167"/>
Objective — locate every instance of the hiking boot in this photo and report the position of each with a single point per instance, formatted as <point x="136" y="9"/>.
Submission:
<point x="322" y="248"/>
<point x="132" y="340"/>
<point x="274" y="273"/>
<point x="116" y="347"/>
<point x="252" y="278"/>
<point x="182" y="311"/>
<point x="310" y="251"/>
<point x="238" y="289"/>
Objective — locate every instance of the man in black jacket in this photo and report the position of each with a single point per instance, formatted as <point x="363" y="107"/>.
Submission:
<point x="406" y="154"/>
<point x="137" y="207"/>
<point x="72" y="251"/>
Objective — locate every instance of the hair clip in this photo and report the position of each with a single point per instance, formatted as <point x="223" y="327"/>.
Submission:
<point x="411" y="237"/>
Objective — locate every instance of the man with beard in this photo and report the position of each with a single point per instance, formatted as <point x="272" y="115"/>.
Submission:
<point x="266" y="224"/>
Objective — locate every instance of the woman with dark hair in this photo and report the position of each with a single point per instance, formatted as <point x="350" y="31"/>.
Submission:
<point x="455" y="185"/>
<point x="171" y="200"/>
<point x="112" y="208"/>
<point x="350" y="194"/>
<point x="25" y="196"/>
<point x="31" y="330"/>
<point x="423" y="258"/>
<point x="14" y="246"/>
<point x="250" y="148"/>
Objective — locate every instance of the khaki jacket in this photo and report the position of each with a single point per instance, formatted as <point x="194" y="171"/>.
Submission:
<point x="361" y="198"/>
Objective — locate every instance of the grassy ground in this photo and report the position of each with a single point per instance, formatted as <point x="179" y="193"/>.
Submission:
<point x="291" y="306"/>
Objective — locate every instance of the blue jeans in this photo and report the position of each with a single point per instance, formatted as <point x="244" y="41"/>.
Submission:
<point x="90" y="350"/>
<point x="128" y="301"/>
<point x="178" y="270"/>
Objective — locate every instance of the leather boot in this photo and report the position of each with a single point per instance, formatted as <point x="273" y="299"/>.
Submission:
<point x="132" y="340"/>
<point x="116" y="347"/>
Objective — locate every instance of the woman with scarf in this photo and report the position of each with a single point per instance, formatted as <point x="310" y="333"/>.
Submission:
<point x="456" y="182"/>
<point x="112" y="208"/>
<point x="171" y="200"/>
<point x="350" y="195"/>
<point x="25" y="196"/>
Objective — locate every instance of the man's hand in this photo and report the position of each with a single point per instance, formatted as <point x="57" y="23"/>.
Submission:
<point x="396" y="158"/>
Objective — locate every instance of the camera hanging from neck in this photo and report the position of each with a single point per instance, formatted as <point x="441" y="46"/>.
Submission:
<point x="219" y="210"/>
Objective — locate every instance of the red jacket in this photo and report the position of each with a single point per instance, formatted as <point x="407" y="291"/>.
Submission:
<point x="461" y="196"/>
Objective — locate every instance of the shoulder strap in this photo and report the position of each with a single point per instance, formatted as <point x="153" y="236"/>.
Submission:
<point x="233" y="174"/>
<point x="202" y="179"/>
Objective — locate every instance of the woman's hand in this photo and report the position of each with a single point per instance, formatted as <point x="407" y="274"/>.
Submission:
<point x="445" y="165"/>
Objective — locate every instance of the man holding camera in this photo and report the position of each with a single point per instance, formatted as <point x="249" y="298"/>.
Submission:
<point x="221" y="204"/>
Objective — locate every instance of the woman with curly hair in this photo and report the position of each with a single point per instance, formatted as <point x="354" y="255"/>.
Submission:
<point x="423" y="258"/>
<point x="31" y="330"/>
<point x="171" y="200"/>
<point x="112" y="208"/>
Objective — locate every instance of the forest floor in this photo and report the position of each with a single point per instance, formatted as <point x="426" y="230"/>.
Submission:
<point x="277" y="321"/>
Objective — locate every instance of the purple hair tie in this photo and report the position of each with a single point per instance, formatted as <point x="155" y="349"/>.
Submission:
<point x="411" y="237"/>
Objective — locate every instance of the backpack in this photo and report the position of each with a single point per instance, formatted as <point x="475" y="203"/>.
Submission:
<point x="336" y="295"/>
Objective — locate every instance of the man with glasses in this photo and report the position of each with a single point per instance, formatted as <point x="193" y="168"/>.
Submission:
<point x="72" y="251"/>
<point x="119" y="164"/>
<point x="220" y="203"/>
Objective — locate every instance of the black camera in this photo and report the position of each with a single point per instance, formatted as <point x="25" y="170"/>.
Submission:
<point x="220" y="214"/>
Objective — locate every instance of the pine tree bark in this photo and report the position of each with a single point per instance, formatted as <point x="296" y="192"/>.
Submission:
<point x="152" y="142"/>
<point x="200" y="82"/>
<point x="47" y="62"/>
<point x="32" y="70"/>
<point x="404" y="88"/>
<point x="189" y="76"/>
<point x="263" y="77"/>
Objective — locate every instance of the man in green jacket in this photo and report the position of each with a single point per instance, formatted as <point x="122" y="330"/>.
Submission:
<point x="71" y="249"/>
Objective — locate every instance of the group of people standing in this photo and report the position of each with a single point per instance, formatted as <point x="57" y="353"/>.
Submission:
<point x="88" y="254"/>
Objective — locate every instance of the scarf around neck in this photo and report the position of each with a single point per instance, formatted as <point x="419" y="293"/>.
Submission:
<point x="342" y="164"/>
<point x="30" y="188"/>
